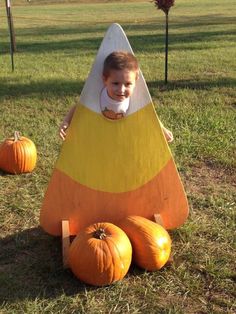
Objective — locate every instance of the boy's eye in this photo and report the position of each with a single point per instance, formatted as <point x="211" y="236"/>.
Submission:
<point x="128" y="84"/>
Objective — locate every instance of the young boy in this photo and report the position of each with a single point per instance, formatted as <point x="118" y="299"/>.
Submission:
<point x="120" y="73"/>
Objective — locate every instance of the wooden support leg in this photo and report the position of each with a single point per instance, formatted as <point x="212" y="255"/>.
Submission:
<point x="65" y="242"/>
<point x="158" y="219"/>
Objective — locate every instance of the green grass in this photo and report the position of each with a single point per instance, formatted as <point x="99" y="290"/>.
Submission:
<point x="56" y="46"/>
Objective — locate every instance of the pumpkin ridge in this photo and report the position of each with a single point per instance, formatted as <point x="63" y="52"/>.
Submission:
<point x="21" y="155"/>
<point x="113" y="259"/>
<point x="16" y="160"/>
<point x="103" y="251"/>
<point x="114" y="249"/>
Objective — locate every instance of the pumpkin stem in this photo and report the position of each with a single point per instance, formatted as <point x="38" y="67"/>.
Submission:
<point x="99" y="234"/>
<point x="16" y="136"/>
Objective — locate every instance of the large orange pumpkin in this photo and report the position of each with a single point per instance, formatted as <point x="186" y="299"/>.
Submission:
<point x="151" y="242"/>
<point x="100" y="254"/>
<point x="17" y="154"/>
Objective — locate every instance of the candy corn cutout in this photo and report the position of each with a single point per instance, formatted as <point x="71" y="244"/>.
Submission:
<point x="108" y="169"/>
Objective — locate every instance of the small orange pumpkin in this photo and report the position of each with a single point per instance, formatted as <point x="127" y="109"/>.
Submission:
<point x="100" y="254"/>
<point x="151" y="242"/>
<point x="17" y="154"/>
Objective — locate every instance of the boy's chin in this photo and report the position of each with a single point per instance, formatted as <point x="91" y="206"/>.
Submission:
<point x="119" y="98"/>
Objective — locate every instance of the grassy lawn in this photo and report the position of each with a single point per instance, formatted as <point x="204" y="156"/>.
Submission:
<point x="56" y="46"/>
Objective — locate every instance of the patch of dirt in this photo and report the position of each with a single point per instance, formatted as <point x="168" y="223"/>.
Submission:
<point x="205" y="178"/>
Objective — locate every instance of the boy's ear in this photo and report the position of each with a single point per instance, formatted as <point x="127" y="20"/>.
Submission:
<point x="137" y="76"/>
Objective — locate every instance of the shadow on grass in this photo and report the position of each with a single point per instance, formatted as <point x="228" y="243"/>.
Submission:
<point x="58" y="88"/>
<point x="47" y="87"/>
<point x="192" y="84"/>
<point x="3" y="173"/>
<point x="31" y="266"/>
<point x="70" y="27"/>
<point x="144" y="43"/>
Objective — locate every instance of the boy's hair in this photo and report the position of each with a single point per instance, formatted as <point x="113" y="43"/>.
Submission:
<point x="120" y="60"/>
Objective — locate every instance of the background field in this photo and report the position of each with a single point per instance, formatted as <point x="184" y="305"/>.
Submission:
<point x="56" y="46"/>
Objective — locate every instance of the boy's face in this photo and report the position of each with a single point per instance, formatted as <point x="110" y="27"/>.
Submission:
<point x="120" y="84"/>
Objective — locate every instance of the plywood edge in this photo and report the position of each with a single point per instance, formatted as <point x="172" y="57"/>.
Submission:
<point x="158" y="219"/>
<point x="65" y="242"/>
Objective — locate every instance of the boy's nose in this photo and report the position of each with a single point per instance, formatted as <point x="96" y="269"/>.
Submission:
<point x="122" y="88"/>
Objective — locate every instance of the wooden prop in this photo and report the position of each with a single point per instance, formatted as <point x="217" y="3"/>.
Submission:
<point x="65" y="242"/>
<point x="108" y="169"/>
